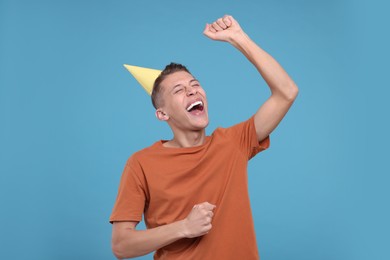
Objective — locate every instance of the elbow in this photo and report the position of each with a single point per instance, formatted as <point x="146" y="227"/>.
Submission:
<point x="291" y="92"/>
<point x="117" y="251"/>
<point x="124" y="243"/>
<point x="122" y="251"/>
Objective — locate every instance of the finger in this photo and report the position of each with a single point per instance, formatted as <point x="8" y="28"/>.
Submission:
<point x="221" y="23"/>
<point x="205" y="229"/>
<point x="208" y="30"/>
<point x="208" y="206"/>
<point x="205" y="207"/>
<point x="208" y="227"/>
<point x="216" y="27"/>
<point x="227" y="20"/>
<point x="208" y="213"/>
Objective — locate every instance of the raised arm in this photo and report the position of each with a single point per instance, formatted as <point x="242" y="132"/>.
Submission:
<point x="283" y="88"/>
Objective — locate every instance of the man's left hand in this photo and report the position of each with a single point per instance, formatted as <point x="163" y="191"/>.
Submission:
<point x="223" y="29"/>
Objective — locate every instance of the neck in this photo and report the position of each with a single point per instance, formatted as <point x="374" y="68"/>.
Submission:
<point x="187" y="139"/>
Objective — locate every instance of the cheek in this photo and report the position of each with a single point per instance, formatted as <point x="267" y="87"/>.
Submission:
<point x="203" y="93"/>
<point x="175" y="104"/>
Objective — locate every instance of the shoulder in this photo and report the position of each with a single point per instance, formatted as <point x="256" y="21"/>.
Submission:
<point x="143" y="153"/>
<point x="235" y="129"/>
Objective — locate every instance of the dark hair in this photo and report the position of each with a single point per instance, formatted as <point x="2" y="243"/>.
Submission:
<point x="169" y="69"/>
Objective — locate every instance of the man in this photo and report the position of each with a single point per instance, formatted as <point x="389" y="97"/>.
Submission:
<point x="192" y="189"/>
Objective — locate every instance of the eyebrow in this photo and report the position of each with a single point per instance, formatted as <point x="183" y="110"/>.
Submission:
<point x="178" y="85"/>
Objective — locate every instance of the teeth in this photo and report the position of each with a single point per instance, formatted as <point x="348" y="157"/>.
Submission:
<point x="194" y="104"/>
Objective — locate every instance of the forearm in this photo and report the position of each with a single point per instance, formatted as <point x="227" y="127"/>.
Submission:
<point x="129" y="242"/>
<point x="275" y="76"/>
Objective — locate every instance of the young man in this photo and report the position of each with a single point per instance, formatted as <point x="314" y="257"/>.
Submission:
<point x="192" y="189"/>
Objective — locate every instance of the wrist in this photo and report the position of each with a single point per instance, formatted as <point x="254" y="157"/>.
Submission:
<point x="181" y="229"/>
<point x="239" y="38"/>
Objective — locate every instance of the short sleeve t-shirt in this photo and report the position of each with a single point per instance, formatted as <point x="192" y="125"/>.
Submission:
<point x="163" y="184"/>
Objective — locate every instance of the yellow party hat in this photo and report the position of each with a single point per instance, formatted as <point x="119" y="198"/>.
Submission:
<point x="144" y="76"/>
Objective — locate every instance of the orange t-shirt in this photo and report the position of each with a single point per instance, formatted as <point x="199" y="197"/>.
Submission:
<point x="165" y="183"/>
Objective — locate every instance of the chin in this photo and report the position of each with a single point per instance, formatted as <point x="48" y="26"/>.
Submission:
<point x="201" y="126"/>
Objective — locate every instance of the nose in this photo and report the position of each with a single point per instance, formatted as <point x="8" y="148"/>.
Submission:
<point x="190" y="91"/>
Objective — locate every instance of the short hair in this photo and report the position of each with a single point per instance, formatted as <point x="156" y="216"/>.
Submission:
<point x="169" y="69"/>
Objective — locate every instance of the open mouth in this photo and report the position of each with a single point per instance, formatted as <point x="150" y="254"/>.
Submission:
<point x="196" y="106"/>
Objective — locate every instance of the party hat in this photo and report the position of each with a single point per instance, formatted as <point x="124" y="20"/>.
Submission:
<point x="144" y="76"/>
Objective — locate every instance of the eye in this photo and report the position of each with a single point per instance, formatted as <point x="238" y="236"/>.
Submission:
<point x="178" y="90"/>
<point x="196" y="85"/>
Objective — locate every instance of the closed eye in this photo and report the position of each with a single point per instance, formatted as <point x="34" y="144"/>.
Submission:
<point x="178" y="90"/>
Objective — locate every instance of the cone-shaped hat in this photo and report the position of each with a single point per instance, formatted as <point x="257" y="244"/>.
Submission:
<point x="144" y="76"/>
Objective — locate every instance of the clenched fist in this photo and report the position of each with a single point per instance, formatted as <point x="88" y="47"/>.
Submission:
<point x="223" y="29"/>
<point x="198" y="222"/>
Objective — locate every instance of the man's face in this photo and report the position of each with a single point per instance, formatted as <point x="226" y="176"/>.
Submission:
<point x="184" y="102"/>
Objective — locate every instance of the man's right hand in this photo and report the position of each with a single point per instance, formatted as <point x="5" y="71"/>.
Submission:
<point x="198" y="222"/>
<point x="128" y="242"/>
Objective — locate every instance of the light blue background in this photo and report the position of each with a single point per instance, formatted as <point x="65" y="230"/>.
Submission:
<point x="71" y="115"/>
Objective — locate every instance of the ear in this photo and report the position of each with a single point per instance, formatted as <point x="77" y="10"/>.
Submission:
<point x="161" y="115"/>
